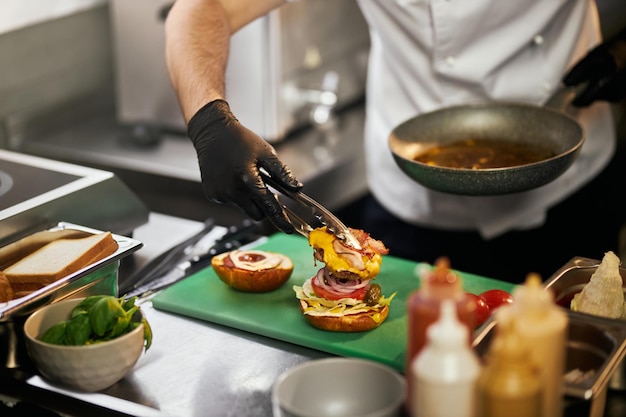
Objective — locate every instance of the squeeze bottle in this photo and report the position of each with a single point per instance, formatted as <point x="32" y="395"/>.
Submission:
<point x="446" y="370"/>
<point x="510" y="383"/>
<point x="423" y="307"/>
<point x="543" y="326"/>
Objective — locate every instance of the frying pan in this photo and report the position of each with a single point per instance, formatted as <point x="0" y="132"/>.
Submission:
<point x="513" y="122"/>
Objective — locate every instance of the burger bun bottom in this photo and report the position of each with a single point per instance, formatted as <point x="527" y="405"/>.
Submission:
<point x="350" y="323"/>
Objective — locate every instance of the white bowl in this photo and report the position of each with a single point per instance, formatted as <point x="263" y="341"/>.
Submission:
<point x="336" y="387"/>
<point x="85" y="368"/>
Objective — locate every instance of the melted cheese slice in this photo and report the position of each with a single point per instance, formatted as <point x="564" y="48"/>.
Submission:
<point x="321" y="239"/>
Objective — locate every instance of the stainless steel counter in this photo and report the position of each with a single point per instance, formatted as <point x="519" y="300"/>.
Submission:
<point x="202" y="369"/>
<point x="197" y="368"/>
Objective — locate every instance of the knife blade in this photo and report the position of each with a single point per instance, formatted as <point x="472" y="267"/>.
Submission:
<point x="165" y="260"/>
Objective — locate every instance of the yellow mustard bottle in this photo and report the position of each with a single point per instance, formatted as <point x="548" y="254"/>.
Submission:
<point x="509" y="385"/>
<point x="543" y="326"/>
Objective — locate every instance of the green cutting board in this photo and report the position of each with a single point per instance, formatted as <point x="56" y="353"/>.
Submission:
<point x="277" y="315"/>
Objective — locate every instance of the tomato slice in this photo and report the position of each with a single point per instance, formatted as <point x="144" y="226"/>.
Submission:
<point x="322" y="292"/>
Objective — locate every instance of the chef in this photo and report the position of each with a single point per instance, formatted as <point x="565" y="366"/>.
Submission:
<point x="425" y="55"/>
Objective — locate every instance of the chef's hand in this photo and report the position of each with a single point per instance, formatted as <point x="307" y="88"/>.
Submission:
<point x="230" y="156"/>
<point x="604" y="71"/>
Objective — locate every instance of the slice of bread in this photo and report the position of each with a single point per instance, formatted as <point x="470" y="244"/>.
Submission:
<point x="58" y="259"/>
<point x="6" y="291"/>
<point x="12" y="252"/>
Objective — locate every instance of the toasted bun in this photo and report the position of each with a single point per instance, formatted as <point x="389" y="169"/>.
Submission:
<point x="254" y="271"/>
<point x="57" y="260"/>
<point x="351" y="323"/>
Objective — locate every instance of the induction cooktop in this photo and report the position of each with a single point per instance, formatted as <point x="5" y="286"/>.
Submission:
<point x="36" y="192"/>
<point x="31" y="182"/>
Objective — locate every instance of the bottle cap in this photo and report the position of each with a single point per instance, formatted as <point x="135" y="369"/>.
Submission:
<point x="532" y="297"/>
<point x="441" y="282"/>
<point x="447" y="332"/>
<point x="508" y="346"/>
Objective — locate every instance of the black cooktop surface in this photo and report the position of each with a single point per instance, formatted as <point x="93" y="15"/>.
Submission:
<point x="21" y="182"/>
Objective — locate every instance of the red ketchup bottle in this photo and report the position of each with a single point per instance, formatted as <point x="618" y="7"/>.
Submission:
<point x="424" y="306"/>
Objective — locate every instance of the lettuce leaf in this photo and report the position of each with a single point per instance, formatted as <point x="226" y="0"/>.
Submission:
<point x="316" y="306"/>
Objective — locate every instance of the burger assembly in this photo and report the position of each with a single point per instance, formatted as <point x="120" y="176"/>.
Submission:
<point x="340" y="297"/>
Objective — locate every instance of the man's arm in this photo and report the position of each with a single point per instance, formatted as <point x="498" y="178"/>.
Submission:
<point x="196" y="49"/>
<point x="230" y="156"/>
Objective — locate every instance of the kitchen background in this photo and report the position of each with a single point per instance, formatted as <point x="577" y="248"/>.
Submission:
<point x="84" y="81"/>
<point x="90" y="87"/>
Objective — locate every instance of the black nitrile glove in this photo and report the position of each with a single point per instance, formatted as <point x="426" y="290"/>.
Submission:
<point x="230" y="156"/>
<point x="604" y="71"/>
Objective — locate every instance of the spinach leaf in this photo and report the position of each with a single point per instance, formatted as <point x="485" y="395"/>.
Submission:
<point x="103" y="314"/>
<point x="85" y="305"/>
<point x="97" y="319"/>
<point x="129" y="304"/>
<point x="78" y="330"/>
<point x="147" y="334"/>
<point x="55" y="334"/>
<point x="120" y="327"/>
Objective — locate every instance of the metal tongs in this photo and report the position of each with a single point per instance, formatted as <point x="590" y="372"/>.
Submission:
<point x="332" y="223"/>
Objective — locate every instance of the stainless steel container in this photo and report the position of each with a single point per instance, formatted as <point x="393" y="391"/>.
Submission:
<point x="99" y="278"/>
<point x="570" y="280"/>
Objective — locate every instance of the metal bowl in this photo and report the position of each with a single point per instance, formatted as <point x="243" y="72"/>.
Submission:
<point x="510" y="122"/>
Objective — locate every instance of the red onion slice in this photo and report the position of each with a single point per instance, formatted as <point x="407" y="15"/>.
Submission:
<point x="338" y="286"/>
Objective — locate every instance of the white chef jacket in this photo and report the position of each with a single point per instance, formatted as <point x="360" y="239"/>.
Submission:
<point x="428" y="54"/>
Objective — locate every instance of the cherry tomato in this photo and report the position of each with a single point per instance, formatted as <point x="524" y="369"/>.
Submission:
<point x="495" y="298"/>
<point x="323" y="293"/>
<point x="482" y="309"/>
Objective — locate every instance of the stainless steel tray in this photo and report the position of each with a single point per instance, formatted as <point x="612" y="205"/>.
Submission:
<point x="79" y="281"/>
<point x="595" y="344"/>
